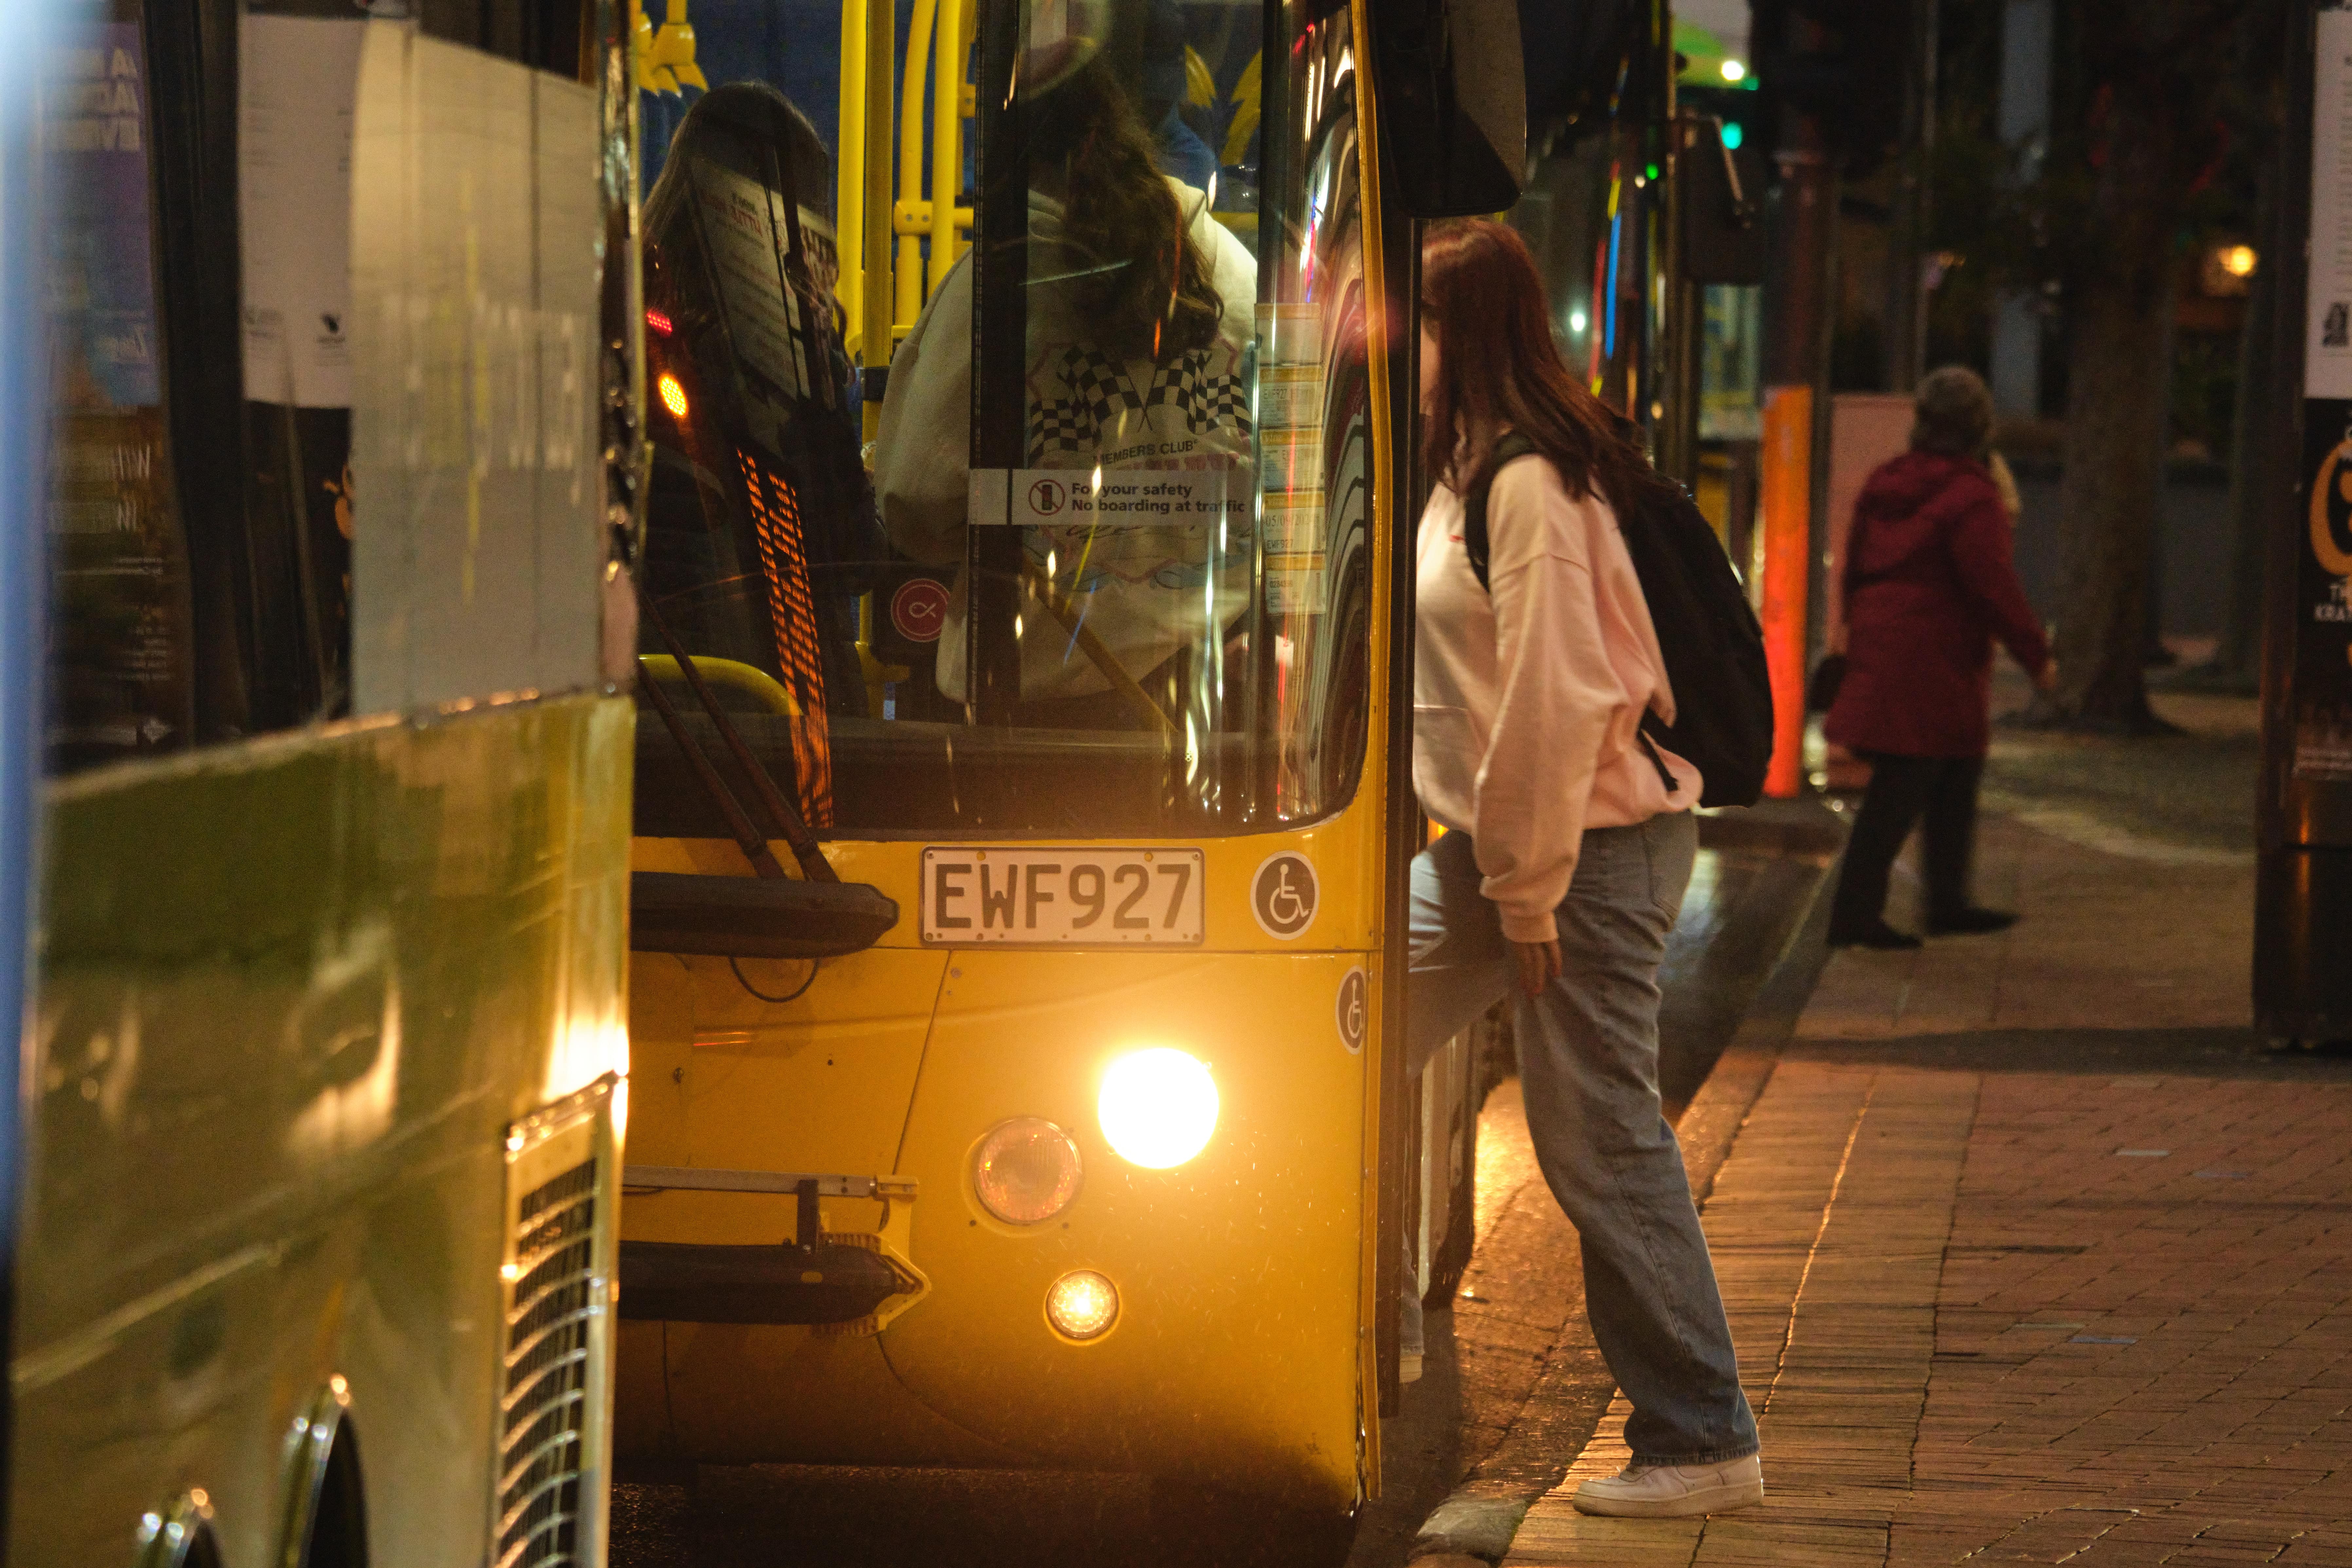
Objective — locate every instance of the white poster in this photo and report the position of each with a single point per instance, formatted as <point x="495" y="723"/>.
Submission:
<point x="2328" y="335"/>
<point x="296" y="78"/>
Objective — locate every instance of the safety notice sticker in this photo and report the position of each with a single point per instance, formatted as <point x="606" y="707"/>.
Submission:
<point x="1108" y="498"/>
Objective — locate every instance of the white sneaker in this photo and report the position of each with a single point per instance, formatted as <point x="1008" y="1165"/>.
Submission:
<point x="1409" y="1366"/>
<point x="1673" y="1491"/>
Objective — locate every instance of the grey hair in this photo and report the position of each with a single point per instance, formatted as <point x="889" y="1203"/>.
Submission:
<point x="1952" y="413"/>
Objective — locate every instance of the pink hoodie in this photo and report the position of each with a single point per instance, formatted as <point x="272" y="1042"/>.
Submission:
<point x="1526" y="699"/>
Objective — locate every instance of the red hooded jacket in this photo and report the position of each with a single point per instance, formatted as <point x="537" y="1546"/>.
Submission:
<point x="1930" y="583"/>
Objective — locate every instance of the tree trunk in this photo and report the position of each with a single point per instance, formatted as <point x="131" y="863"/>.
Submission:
<point x="2115" y="408"/>
<point x="2118" y="396"/>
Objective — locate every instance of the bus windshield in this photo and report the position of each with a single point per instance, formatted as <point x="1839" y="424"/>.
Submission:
<point x="1081" y="547"/>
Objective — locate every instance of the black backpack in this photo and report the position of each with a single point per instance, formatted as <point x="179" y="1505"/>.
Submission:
<point x="1714" y="647"/>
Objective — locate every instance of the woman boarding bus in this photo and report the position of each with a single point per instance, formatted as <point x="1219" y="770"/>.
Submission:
<point x="1572" y="841"/>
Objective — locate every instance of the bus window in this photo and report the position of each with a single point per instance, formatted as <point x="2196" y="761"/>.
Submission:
<point x="122" y="681"/>
<point x="1110" y="573"/>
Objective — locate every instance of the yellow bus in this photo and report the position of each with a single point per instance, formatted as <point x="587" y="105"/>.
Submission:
<point x="1021" y="809"/>
<point x="315" y="326"/>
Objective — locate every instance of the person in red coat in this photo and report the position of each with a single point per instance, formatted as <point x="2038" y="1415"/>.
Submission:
<point x="1929" y="585"/>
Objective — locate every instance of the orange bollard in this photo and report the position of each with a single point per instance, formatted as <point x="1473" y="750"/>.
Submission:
<point x="1787" y="461"/>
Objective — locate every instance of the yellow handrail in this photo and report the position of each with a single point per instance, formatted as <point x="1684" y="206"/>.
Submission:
<point x="745" y="678"/>
<point x="958" y="20"/>
<point x="908" y="271"/>
<point x="849" y="200"/>
<point x="881" y="24"/>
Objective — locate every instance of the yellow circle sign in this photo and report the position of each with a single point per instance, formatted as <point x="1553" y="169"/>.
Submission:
<point x="2334" y="476"/>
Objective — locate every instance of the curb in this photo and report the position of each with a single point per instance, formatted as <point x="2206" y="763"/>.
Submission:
<point x="1476" y="1524"/>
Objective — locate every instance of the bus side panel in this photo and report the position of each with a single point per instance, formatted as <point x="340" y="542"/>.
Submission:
<point x="292" y="996"/>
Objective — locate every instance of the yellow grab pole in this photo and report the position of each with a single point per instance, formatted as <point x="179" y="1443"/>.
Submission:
<point x="849" y="200"/>
<point x="881" y="21"/>
<point x="909" y="271"/>
<point x="948" y="57"/>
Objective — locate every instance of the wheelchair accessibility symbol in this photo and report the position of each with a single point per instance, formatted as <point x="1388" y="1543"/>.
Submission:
<point x="1354" y="1010"/>
<point x="1282" y="896"/>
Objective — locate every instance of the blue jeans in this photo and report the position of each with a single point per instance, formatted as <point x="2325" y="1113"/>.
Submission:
<point x="1589" y="1065"/>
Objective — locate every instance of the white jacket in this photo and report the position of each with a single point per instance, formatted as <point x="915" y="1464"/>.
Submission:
<point x="1141" y="587"/>
<point x="1527" y="699"/>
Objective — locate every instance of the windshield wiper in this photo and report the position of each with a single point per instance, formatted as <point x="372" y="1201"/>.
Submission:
<point x="794" y="830"/>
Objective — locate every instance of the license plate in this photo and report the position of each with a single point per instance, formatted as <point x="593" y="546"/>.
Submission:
<point x="1052" y="897"/>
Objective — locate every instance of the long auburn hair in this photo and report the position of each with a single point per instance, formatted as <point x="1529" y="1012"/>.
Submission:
<point x="1151" y="295"/>
<point x="1498" y="367"/>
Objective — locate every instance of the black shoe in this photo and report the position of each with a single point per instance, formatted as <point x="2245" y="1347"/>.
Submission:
<point x="1878" y="934"/>
<point x="1970" y="921"/>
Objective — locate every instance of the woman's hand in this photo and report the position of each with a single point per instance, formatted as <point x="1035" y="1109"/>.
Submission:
<point x="1538" y="964"/>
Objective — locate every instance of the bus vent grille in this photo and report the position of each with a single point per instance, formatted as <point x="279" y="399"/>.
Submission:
<point x="543" y="1409"/>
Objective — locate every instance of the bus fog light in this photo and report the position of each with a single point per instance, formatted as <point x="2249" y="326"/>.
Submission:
<point x="1025" y="1171"/>
<point x="1082" y="1305"/>
<point x="1158" y="1107"/>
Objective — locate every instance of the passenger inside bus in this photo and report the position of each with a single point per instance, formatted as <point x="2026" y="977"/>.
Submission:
<point x="1140" y="317"/>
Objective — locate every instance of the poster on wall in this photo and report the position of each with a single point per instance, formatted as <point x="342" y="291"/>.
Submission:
<point x="297" y="84"/>
<point x="120" y="627"/>
<point x="2327" y="328"/>
<point x="2321" y="605"/>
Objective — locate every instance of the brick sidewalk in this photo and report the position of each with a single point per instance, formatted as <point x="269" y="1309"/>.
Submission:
<point x="2032" y="1254"/>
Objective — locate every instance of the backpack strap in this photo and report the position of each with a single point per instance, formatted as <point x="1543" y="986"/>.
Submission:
<point x="1475" y="543"/>
<point x="1473" y="504"/>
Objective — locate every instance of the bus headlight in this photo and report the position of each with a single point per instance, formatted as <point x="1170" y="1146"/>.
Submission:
<point x="1158" y="1107"/>
<point x="1082" y="1305"/>
<point x="1025" y="1171"/>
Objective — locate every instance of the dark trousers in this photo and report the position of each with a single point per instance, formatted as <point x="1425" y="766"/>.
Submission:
<point x="1902" y="790"/>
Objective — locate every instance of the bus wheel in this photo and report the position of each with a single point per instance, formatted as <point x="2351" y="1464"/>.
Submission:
<point x="1208" y="1527"/>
